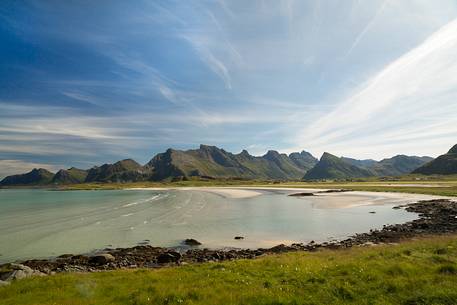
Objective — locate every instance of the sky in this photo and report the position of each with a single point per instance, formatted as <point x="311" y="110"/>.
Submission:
<point x="89" y="82"/>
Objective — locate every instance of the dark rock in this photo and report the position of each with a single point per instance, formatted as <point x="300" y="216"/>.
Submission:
<point x="239" y="237"/>
<point x="301" y="194"/>
<point x="192" y="242"/>
<point x="168" y="257"/>
<point x="335" y="191"/>
<point x="280" y="248"/>
<point x="64" y="256"/>
<point x="372" y="212"/>
<point x="101" y="259"/>
<point x="17" y="272"/>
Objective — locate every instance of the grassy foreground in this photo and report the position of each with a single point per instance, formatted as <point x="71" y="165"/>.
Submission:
<point x="415" y="272"/>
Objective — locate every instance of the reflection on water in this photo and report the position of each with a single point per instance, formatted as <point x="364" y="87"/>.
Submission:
<point x="40" y="223"/>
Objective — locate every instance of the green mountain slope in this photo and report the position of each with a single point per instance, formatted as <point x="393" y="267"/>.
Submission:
<point x="332" y="167"/>
<point x="360" y="163"/>
<point x="34" y="177"/>
<point x="344" y="168"/>
<point x="122" y="171"/>
<point x="399" y="165"/>
<point x="303" y="160"/>
<point x="443" y="165"/>
<point x="211" y="161"/>
<point x="215" y="162"/>
<point x="70" y="176"/>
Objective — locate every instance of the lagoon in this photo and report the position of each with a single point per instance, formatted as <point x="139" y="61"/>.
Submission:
<point x="37" y="223"/>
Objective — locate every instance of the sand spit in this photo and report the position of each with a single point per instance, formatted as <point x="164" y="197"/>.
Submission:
<point x="320" y="200"/>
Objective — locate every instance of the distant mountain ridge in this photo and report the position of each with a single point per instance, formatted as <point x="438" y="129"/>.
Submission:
<point x="443" y="165"/>
<point x="38" y="176"/>
<point x="69" y="176"/>
<point x="126" y="170"/>
<point x="213" y="162"/>
<point x="332" y="167"/>
<point x="206" y="161"/>
<point x="218" y="163"/>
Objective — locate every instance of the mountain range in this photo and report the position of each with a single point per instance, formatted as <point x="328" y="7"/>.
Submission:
<point x="211" y="162"/>
<point x="206" y="161"/>
<point x="332" y="167"/>
<point x="443" y="165"/>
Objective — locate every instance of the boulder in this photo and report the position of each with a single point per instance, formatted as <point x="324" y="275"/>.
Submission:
<point x="192" y="242"/>
<point x="301" y="194"/>
<point x="18" y="271"/>
<point x="101" y="259"/>
<point x="169" y="257"/>
<point x="239" y="237"/>
<point x="280" y="248"/>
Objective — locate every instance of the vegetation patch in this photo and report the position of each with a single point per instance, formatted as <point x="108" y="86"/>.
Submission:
<point x="391" y="274"/>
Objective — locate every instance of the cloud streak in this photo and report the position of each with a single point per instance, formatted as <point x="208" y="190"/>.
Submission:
<point x="117" y="81"/>
<point x="418" y="89"/>
<point x="11" y="167"/>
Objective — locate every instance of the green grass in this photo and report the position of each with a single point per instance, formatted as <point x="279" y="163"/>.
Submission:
<point x="415" y="272"/>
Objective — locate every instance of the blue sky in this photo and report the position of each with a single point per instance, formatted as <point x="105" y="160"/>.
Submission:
<point x="88" y="82"/>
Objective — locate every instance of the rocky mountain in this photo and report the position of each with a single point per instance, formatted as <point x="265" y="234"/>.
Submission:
<point x="360" y="163"/>
<point x="443" y="165"/>
<point x="214" y="162"/>
<point x="303" y="159"/>
<point x="332" y="167"/>
<point x="126" y="170"/>
<point x="38" y="176"/>
<point x="69" y="176"/>
<point x="399" y="165"/>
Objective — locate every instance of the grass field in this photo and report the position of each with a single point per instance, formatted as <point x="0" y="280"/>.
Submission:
<point x="415" y="272"/>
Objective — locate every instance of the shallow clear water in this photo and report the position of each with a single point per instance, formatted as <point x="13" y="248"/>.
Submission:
<point x="42" y="223"/>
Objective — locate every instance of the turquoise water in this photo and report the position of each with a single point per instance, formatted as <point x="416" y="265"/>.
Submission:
<point x="42" y="223"/>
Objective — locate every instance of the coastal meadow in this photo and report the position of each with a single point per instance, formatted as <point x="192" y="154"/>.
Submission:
<point x="420" y="271"/>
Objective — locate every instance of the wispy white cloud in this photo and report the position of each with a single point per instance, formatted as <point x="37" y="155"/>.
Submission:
<point x="207" y="56"/>
<point x="366" y="28"/>
<point x="11" y="167"/>
<point x="409" y="100"/>
<point x="232" y="73"/>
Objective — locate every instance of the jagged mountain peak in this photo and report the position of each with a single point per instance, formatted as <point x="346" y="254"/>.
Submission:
<point x="328" y="156"/>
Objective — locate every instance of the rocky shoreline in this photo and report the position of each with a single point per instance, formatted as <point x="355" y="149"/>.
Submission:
<point x="435" y="217"/>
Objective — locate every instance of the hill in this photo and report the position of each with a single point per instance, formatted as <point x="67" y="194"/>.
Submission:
<point x="398" y="165"/>
<point x="303" y="159"/>
<point x="126" y="170"/>
<point x="443" y="165"/>
<point x="360" y="163"/>
<point x="69" y="176"/>
<point x="332" y="167"/>
<point x="37" y="176"/>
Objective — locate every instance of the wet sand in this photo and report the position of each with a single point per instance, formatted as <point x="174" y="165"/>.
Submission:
<point x="321" y="200"/>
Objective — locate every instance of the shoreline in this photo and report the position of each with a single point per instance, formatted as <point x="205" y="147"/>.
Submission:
<point x="435" y="217"/>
